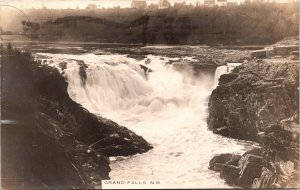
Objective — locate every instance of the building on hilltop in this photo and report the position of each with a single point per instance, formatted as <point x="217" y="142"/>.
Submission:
<point x="221" y="3"/>
<point x="138" y="4"/>
<point x="209" y="3"/>
<point x="164" y="4"/>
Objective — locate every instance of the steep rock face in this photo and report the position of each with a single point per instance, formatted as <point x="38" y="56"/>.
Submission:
<point x="252" y="97"/>
<point x="56" y="143"/>
<point x="258" y="101"/>
<point x="274" y="165"/>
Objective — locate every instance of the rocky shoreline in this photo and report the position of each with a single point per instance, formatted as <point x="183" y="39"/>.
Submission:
<point x="55" y="142"/>
<point x="259" y="101"/>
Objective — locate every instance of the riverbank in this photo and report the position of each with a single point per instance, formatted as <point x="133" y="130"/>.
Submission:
<point x="132" y="93"/>
<point x="53" y="142"/>
<point x="259" y="101"/>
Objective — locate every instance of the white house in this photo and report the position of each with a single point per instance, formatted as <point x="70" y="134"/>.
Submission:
<point x="164" y="4"/>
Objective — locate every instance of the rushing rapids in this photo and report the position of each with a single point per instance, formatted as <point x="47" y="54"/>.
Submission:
<point x="166" y="106"/>
<point x="224" y="69"/>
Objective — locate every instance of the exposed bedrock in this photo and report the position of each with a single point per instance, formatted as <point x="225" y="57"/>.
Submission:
<point x="275" y="164"/>
<point x="253" y="97"/>
<point x="56" y="143"/>
<point x="258" y="101"/>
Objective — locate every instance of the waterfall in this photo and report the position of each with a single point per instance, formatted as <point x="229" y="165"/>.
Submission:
<point x="224" y="69"/>
<point x="113" y="84"/>
<point x="231" y="66"/>
<point x="107" y="87"/>
<point x="167" y="106"/>
<point x="221" y="70"/>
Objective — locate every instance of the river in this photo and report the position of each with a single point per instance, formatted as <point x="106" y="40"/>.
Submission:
<point x="164" y="104"/>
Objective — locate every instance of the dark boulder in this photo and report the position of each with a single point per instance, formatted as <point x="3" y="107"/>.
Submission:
<point x="266" y="179"/>
<point x="251" y="166"/>
<point x="82" y="72"/>
<point x="248" y="174"/>
<point x="218" y="161"/>
<point x="281" y="155"/>
<point x="255" y="151"/>
<point x="227" y="78"/>
<point x="234" y="161"/>
<point x="230" y="174"/>
<point x="250" y="158"/>
<point x="63" y="65"/>
<point x="145" y="69"/>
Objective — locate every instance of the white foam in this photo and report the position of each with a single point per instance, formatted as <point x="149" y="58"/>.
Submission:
<point x="221" y="70"/>
<point x="167" y="107"/>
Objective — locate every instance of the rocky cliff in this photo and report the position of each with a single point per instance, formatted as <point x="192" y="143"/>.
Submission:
<point x="253" y="97"/>
<point x="258" y="101"/>
<point x="275" y="164"/>
<point x="53" y="142"/>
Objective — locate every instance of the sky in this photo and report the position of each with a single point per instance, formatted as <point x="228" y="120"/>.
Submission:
<point x="63" y="4"/>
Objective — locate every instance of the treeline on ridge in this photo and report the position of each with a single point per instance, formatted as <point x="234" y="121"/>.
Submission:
<point x="240" y="25"/>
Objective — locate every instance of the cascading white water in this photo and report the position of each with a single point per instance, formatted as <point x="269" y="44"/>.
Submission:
<point x="224" y="69"/>
<point x="167" y="107"/>
<point x="221" y="70"/>
<point x="107" y="87"/>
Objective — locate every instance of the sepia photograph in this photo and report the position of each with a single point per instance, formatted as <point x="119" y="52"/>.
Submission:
<point x="149" y="94"/>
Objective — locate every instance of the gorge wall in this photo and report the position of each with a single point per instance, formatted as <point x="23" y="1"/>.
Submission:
<point x="259" y="101"/>
<point x="253" y="97"/>
<point x="55" y="142"/>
